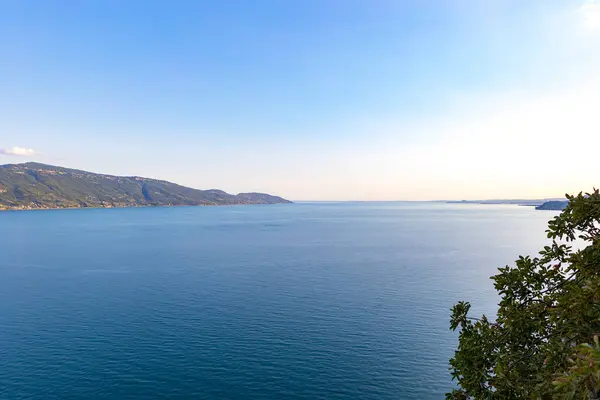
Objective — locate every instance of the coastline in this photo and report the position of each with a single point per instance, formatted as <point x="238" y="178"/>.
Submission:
<point x="137" y="206"/>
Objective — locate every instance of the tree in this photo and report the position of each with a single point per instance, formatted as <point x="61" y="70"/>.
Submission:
<point x="543" y="343"/>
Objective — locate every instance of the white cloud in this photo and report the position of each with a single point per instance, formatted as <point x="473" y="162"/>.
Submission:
<point x="590" y="13"/>
<point x="18" y="151"/>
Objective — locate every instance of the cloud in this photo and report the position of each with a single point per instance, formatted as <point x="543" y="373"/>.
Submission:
<point x="590" y="13"/>
<point x="18" y="151"/>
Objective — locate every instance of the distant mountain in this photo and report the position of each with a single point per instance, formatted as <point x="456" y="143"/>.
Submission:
<point x="553" y="205"/>
<point x="519" y="202"/>
<point x="39" y="186"/>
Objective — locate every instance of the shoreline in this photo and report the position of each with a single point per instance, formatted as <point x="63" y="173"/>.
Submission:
<point x="138" y="206"/>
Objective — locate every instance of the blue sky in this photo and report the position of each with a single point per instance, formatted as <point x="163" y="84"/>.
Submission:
<point x="322" y="100"/>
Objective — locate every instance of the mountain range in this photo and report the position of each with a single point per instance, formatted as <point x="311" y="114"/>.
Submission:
<point x="39" y="186"/>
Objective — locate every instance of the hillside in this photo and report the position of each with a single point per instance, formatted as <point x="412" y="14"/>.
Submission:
<point x="553" y="205"/>
<point x="39" y="186"/>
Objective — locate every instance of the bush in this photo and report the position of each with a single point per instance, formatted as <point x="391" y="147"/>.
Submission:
<point x="543" y="343"/>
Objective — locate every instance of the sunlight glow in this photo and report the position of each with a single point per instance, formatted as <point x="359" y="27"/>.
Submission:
<point x="590" y="13"/>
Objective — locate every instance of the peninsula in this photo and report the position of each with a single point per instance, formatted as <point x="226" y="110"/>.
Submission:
<point x="543" y="204"/>
<point x="38" y="186"/>
<point x="553" y="205"/>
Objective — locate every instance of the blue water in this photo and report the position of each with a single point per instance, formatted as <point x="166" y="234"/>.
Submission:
<point x="300" y="301"/>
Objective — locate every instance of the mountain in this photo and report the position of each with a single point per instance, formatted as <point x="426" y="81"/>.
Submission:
<point x="553" y="205"/>
<point x="519" y="202"/>
<point x="35" y="186"/>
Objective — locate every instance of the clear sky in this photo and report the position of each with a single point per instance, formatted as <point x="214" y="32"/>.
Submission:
<point x="311" y="99"/>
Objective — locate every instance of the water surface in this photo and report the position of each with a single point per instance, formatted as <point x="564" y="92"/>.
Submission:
<point x="300" y="301"/>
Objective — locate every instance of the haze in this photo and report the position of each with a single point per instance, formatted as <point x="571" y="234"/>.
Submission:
<point x="311" y="100"/>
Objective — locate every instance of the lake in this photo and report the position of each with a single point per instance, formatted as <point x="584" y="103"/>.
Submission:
<point x="298" y="301"/>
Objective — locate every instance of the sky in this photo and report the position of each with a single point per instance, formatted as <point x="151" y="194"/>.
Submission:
<point x="312" y="99"/>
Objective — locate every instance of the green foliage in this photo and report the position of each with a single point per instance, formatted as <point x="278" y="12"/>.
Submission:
<point x="543" y="343"/>
<point x="34" y="185"/>
<point x="584" y="373"/>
